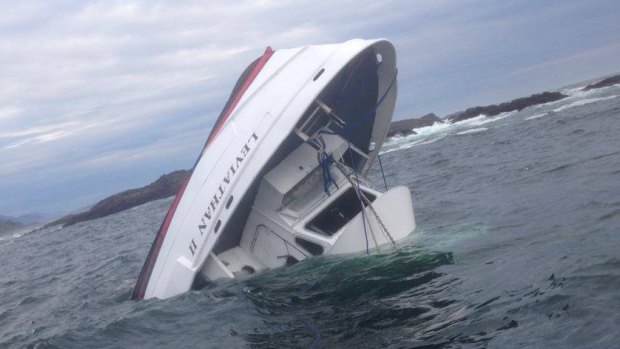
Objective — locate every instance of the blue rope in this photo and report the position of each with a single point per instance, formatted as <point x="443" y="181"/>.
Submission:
<point x="306" y="321"/>
<point x="325" y="161"/>
<point x="343" y="98"/>
<point x="371" y="112"/>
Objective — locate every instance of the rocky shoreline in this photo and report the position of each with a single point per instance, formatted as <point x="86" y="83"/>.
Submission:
<point x="612" y="80"/>
<point x="166" y="186"/>
<point x="407" y="127"/>
<point x="514" y="105"/>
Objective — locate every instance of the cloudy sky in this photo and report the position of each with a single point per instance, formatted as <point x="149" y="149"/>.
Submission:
<point x="101" y="96"/>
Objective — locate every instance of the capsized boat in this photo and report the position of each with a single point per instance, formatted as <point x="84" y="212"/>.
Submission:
<point x="283" y="174"/>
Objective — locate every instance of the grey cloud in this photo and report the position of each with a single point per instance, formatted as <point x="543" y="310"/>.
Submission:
<point x="84" y="83"/>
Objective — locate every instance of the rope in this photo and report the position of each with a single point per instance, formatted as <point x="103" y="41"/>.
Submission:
<point x="309" y="325"/>
<point x="325" y="161"/>
<point x="384" y="230"/>
<point x="382" y="174"/>
<point x="357" y="191"/>
<point x="371" y="112"/>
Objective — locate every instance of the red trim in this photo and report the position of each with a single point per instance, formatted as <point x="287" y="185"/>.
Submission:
<point x="237" y="97"/>
<point x="149" y="264"/>
<point x="145" y="274"/>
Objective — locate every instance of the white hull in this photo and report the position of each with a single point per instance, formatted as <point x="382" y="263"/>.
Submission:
<point x="237" y="214"/>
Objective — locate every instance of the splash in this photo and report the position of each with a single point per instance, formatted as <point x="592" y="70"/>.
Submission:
<point x="413" y="144"/>
<point x="473" y="131"/>
<point x="582" y="102"/>
<point x="536" y="116"/>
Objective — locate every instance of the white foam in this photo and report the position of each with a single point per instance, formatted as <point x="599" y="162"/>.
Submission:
<point x="581" y="102"/>
<point x="536" y="116"/>
<point x="413" y="144"/>
<point x="472" y="121"/>
<point x="486" y="119"/>
<point x="434" y="128"/>
<point x="573" y="91"/>
<point x="473" y="130"/>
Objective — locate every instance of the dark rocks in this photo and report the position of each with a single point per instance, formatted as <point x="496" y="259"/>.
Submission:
<point x="613" y="80"/>
<point x="406" y="127"/>
<point x="514" y="105"/>
<point x="165" y="186"/>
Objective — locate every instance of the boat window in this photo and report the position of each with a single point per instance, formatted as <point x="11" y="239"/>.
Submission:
<point x="338" y="213"/>
<point x="304" y="193"/>
<point x="318" y="74"/>
<point x="230" y="200"/>
<point x="217" y="226"/>
<point x="358" y="159"/>
<point x="314" y="248"/>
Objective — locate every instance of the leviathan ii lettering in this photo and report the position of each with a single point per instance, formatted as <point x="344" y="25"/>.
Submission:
<point x="221" y="190"/>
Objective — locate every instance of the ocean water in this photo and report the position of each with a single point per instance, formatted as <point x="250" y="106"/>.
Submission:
<point x="517" y="246"/>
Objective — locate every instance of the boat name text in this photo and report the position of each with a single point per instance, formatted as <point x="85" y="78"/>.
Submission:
<point x="205" y="221"/>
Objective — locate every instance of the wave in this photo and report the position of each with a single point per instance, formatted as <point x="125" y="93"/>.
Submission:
<point x="493" y="118"/>
<point x="11" y="237"/>
<point x="5" y="240"/>
<point x="582" y="102"/>
<point x="536" y="116"/>
<point x="473" y="131"/>
<point x="413" y="144"/>
<point x="573" y="91"/>
<point x="434" y="128"/>
<point x="21" y="233"/>
<point x="578" y="92"/>
<point x="438" y="131"/>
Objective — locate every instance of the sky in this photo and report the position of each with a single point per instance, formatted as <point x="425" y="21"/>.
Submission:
<point x="97" y="97"/>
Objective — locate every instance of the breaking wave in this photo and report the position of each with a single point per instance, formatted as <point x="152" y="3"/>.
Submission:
<point x="473" y="131"/>
<point x="11" y="237"/>
<point x="582" y="102"/>
<point x="407" y="145"/>
<point x="536" y="116"/>
<point x="438" y="131"/>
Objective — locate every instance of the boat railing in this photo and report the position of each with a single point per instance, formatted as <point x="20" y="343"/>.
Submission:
<point x="322" y="117"/>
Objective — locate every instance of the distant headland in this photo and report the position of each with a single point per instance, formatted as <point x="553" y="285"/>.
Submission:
<point x="166" y="186"/>
<point x="8" y="225"/>
<point x="24" y="222"/>
<point x="612" y="80"/>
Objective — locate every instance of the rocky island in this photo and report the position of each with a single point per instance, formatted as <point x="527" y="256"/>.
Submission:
<point x="514" y="105"/>
<point x="612" y="80"/>
<point x="166" y="186"/>
<point x="406" y="127"/>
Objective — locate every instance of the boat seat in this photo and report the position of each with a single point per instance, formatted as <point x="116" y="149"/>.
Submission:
<point x="240" y="262"/>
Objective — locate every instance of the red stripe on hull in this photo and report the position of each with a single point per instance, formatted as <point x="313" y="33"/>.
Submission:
<point x="237" y="97"/>
<point x="149" y="264"/>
